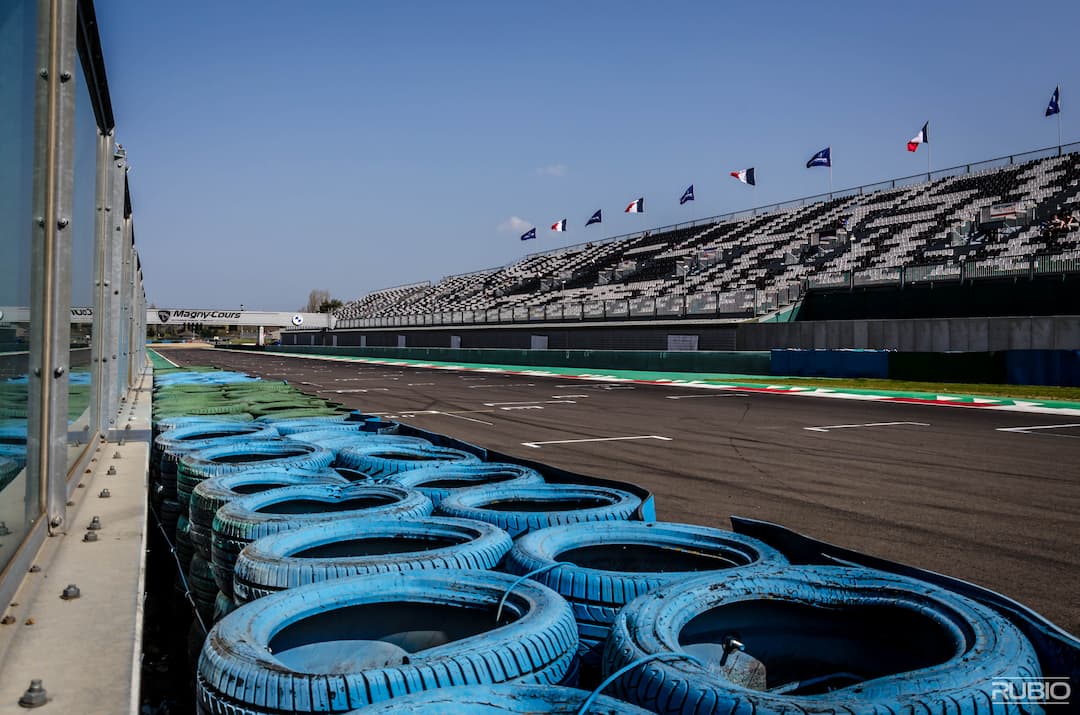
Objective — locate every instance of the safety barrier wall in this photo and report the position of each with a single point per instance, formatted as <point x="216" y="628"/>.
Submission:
<point x="743" y="363"/>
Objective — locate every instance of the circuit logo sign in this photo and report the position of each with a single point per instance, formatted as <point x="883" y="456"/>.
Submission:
<point x="1031" y="691"/>
<point x="164" y="315"/>
<point x="197" y="315"/>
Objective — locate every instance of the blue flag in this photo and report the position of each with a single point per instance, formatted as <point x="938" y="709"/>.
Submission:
<point x="595" y="218"/>
<point x="531" y="233"/>
<point x="687" y="195"/>
<point x="1055" y="102"/>
<point x="822" y="158"/>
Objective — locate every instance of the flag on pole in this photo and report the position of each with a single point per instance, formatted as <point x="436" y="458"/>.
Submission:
<point x="747" y="175"/>
<point x="531" y="233"/>
<point x="637" y="206"/>
<point x="822" y="158"/>
<point x="687" y="195"/>
<point x="1055" y="102"/>
<point x="923" y="137"/>
<point x="595" y="218"/>
<point x="559" y="225"/>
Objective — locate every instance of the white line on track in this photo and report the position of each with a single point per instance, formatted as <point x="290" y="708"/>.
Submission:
<point x="1029" y="430"/>
<point x="536" y="445"/>
<point x="505" y="384"/>
<point x="531" y="402"/>
<point x="418" y="384"/>
<point x="462" y="417"/>
<point x="696" y="397"/>
<point x="826" y="428"/>
<point x="566" y="397"/>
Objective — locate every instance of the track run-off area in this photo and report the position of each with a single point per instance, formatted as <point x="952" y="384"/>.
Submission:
<point x="986" y="495"/>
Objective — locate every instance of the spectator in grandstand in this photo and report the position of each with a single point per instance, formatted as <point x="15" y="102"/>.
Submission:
<point x="1071" y="224"/>
<point x="1057" y="225"/>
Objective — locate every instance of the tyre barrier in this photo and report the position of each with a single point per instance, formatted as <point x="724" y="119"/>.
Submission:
<point x="599" y="568"/>
<point x="195" y="467"/>
<point x="501" y="698"/>
<point x="170" y="515"/>
<point x="814" y="639"/>
<point x="211" y="494"/>
<point x="305" y="424"/>
<point x="519" y="510"/>
<point x="168" y="423"/>
<point x="336" y="440"/>
<point x="441" y="482"/>
<point x="170" y="446"/>
<point x="351" y="547"/>
<point x="203" y="589"/>
<point x="16" y="454"/>
<point x="242" y="521"/>
<point x="335" y="646"/>
<point x="223" y="606"/>
<point x="379" y="461"/>
<point x="184" y="547"/>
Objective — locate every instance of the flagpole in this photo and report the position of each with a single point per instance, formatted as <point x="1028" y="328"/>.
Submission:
<point x="928" y="153"/>
<point x="1059" y="131"/>
<point x="830" y="177"/>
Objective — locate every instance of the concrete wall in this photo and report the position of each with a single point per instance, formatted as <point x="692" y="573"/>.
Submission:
<point x="924" y="335"/>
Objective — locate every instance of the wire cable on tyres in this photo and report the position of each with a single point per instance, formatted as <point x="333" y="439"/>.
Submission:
<point x="195" y="467"/>
<point x="914" y="646"/>
<point x="211" y="494"/>
<point x="350" y="547"/>
<point x="441" y="482"/>
<point x="252" y="517"/>
<point x="522" y="509"/>
<point x="501" y="698"/>
<point x="334" y="646"/>
<point x="379" y="461"/>
<point x="602" y="567"/>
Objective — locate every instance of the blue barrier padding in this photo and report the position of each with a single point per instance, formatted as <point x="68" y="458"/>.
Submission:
<point x="1043" y="367"/>
<point x="830" y="363"/>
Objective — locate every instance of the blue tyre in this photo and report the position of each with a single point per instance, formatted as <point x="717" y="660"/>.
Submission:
<point x="501" y="698"/>
<point x="379" y="461"/>
<point x="335" y="646"/>
<point x="336" y="440"/>
<point x="602" y="567"/>
<point x="814" y="640"/>
<point x="350" y="547"/>
<point x="441" y="482"/>
<point x="195" y="467"/>
<point x="212" y="494"/>
<point x="522" y="509"/>
<point x="252" y="517"/>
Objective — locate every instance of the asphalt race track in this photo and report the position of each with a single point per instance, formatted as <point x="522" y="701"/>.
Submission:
<point x="943" y="490"/>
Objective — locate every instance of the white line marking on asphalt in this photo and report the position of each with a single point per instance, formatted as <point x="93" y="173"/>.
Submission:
<point x="531" y="402"/>
<point x="462" y="417"/>
<point x="1029" y="430"/>
<point x="358" y="389"/>
<point x="694" y="397"/>
<point x="536" y="445"/>
<point x="505" y="384"/>
<point x="418" y="384"/>
<point x="313" y="384"/>
<point x="523" y="407"/>
<point x="566" y="397"/>
<point x="826" y="428"/>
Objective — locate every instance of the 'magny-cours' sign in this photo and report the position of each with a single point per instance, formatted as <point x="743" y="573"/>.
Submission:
<point x="180" y="316"/>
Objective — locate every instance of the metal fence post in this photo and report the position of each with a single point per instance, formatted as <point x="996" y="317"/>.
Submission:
<point x="50" y="259"/>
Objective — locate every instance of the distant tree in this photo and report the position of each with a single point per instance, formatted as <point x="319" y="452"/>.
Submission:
<point x="315" y="299"/>
<point x="329" y="306"/>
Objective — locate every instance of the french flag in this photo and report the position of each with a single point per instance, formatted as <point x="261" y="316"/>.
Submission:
<point x="559" y="225"/>
<point x="746" y="175"/>
<point x="923" y="137"/>
<point x="637" y="206"/>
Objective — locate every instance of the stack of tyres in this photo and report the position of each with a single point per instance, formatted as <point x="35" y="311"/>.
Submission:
<point x="599" y="568"/>
<point x="355" y="546"/>
<point x="335" y="646"/>
<point x="242" y="521"/>
<point x="440" y="482"/>
<point x="195" y="467"/>
<point x="337" y="440"/>
<point x="813" y="639"/>
<point x="503" y="698"/>
<point x="211" y="494"/>
<point x="380" y="460"/>
<point x="519" y="510"/>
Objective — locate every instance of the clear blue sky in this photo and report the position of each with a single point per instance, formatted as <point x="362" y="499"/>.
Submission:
<point x="351" y="145"/>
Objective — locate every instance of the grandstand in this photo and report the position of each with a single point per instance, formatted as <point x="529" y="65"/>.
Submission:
<point x="976" y="220"/>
